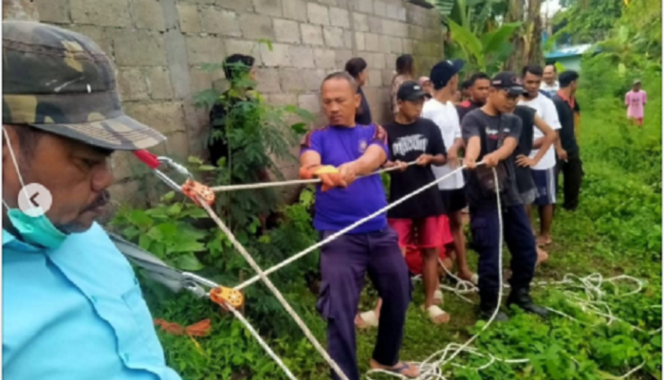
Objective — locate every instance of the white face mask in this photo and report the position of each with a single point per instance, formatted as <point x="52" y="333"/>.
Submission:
<point x="33" y="225"/>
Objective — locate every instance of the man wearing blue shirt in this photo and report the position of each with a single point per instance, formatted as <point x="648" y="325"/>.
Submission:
<point x="72" y="307"/>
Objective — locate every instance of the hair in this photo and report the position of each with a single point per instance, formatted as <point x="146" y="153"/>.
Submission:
<point x="344" y="76"/>
<point x="237" y="65"/>
<point x="567" y="77"/>
<point x="534" y="69"/>
<point x="477" y="76"/>
<point x="28" y="139"/>
<point x="466" y="84"/>
<point x="405" y="64"/>
<point x="553" y="65"/>
<point x="355" y="66"/>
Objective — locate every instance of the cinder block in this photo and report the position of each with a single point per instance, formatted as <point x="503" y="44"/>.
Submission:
<point x="189" y="20"/>
<point x="302" y="57"/>
<point x="279" y="56"/>
<point x="393" y="11"/>
<point x="280" y="100"/>
<point x="375" y="78"/>
<point x="256" y="27"/>
<point x="244" y="47"/>
<point x="292" y="80"/>
<point x="387" y="76"/>
<point x="166" y="117"/>
<point x="139" y="48"/>
<point x="359" y="40"/>
<point x="407" y="46"/>
<point x="334" y="37"/>
<point x="287" y="31"/>
<point x="268" y="7"/>
<point x="313" y="79"/>
<point x="385" y="44"/>
<point x="295" y="10"/>
<point x="312" y="34"/>
<point x="361" y="22"/>
<point x="218" y="21"/>
<point x="395" y="44"/>
<point x="341" y="57"/>
<point x="101" y="12"/>
<point x="378" y="60"/>
<point x="415" y="32"/>
<point x="380" y="8"/>
<point x="387" y="27"/>
<point x="372" y="42"/>
<point x="147" y="14"/>
<point x="54" y="11"/>
<point x="376" y="25"/>
<point x="318" y="14"/>
<point x="268" y="81"/>
<point x="131" y="83"/>
<point x="309" y="102"/>
<point x="365" y="6"/>
<point x="159" y="83"/>
<point x="235" y="5"/>
<point x="202" y="50"/>
<point x="324" y="58"/>
<point x="339" y="17"/>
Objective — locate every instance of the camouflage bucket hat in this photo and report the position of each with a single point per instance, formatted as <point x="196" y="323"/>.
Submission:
<point x="62" y="82"/>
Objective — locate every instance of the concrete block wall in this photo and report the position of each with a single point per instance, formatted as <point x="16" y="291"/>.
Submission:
<point x="159" y="47"/>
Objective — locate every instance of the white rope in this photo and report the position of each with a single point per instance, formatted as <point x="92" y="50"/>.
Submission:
<point x="263" y="276"/>
<point x="263" y="185"/>
<point x="349" y="228"/>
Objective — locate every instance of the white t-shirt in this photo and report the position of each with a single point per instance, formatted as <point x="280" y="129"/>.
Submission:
<point x="551" y="90"/>
<point x="447" y="119"/>
<point x="546" y="110"/>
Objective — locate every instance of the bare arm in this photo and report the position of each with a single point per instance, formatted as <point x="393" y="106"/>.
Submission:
<point x="473" y="149"/>
<point x="309" y="159"/>
<point x="506" y="150"/>
<point x="550" y="136"/>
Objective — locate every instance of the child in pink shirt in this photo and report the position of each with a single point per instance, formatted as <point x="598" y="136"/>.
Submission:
<point x="635" y="100"/>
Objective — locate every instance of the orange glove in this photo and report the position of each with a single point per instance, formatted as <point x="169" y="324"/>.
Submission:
<point x="329" y="176"/>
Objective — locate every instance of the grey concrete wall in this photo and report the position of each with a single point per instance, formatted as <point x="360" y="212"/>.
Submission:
<point x="159" y="47"/>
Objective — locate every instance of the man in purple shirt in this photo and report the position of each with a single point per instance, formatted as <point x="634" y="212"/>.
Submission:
<point x="340" y="153"/>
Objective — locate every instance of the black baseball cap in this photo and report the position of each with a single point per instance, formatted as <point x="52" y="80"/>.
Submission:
<point x="508" y="80"/>
<point x="443" y="71"/>
<point x="411" y="91"/>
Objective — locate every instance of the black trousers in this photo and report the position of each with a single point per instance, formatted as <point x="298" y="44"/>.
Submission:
<point x="572" y="171"/>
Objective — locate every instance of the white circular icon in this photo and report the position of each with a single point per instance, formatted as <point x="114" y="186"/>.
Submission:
<point x="34" y="200"/>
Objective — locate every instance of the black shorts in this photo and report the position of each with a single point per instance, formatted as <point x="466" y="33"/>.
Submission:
<point x="454" y="200"/>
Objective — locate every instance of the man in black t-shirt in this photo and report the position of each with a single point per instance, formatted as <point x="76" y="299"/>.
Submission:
<point x="478" y="90"/>
<point x="569" y="162"/>
<point x="491" y="134"/>
<point x="420" y="221"/>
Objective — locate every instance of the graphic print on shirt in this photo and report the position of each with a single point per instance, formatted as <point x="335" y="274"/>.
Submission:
<point x="405" y="144"/>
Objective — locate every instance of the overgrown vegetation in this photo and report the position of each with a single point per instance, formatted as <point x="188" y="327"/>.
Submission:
<point x="616" y="230"/>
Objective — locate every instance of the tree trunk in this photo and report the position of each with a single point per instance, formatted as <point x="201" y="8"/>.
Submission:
<point x="19" y="10"/>
<point x="535" y="28"/>
<point x="515" y="14"/>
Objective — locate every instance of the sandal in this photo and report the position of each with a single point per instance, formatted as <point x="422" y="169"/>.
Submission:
<point x="438" y="297"/>
<point x="366" y="320"/>
<point x="399" y="370"/>
<point x="437" y="315"/>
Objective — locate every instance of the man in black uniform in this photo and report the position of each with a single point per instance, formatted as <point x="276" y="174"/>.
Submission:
<point x="491" y="134"/>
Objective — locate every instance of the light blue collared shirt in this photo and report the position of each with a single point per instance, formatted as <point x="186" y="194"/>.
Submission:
<point x="76" y="313"/>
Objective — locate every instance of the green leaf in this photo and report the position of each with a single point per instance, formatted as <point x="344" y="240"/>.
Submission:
<point x="189" y="246"/>
<point x="175" y="209"/>
<point x="467" y="41"/>
<point x="195" y="160"/>
<point x="299" y="128"/>
<point x="168" y="196"/>
<point x="140" y="218"/>
<point x="207" y="168"/>
<point x="266" y="42"/>
<point x="494" y="41"/>
<point x="188" y="262"/>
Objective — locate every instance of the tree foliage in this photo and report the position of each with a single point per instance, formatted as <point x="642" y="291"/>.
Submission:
<point x="586" y="21"/>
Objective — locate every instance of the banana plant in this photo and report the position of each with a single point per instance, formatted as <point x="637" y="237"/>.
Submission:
<point x="486" y="51"/>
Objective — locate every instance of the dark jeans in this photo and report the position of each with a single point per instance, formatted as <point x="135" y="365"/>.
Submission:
<point x="344" y="264"/>
<point x="572" y="171"/>
<point x="518" y="235"/>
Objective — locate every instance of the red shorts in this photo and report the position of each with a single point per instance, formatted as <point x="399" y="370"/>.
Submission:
<point x="417" y="234"/>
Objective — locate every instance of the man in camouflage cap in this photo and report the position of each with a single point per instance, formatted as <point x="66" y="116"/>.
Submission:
<point x="72" y="306"/>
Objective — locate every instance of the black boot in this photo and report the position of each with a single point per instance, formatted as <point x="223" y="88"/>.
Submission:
<point x="521" y="298"/>
<point x="488" y="304"/>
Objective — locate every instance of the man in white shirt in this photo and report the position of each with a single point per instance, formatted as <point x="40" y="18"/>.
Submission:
<point x="441" y="110"/>
<point x="544" y="171"/>
<point x="550" y="84"/>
